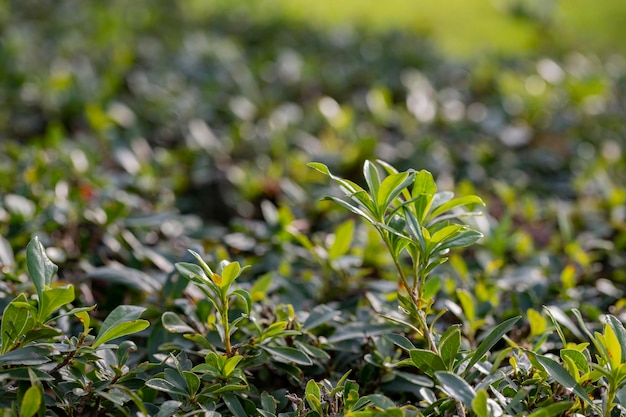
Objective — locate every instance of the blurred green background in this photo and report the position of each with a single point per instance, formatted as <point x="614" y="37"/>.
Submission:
<point x="132" y="130"/>
<point x="460" y="28"/>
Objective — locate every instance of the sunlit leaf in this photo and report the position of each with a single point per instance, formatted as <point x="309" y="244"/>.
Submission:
<point x="40" y="268"/>
<point x="343" y="240"/>
<point x="31" y="401"/>
<point x="560" y="375"/>
<point x="122" y="321"/>
<point x="53" y="299"/>
<point x="490" y="340"/>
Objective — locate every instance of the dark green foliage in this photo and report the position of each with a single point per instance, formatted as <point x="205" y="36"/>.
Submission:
<point x="126" y="141"/>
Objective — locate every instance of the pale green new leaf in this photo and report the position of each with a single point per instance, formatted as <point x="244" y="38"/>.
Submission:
<point x="479" y="404"/>
<point x="343" y="240"/>
<point x="620" y="333"/>
<point x="454" y="203"/>
<point x="122" y="321"/>
<point x="53" y="299"/>
<point x="31" y="401"/>
<point x="230" y="272"/>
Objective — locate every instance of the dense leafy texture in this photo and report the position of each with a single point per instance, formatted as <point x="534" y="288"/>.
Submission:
<point x="133" y="131"/>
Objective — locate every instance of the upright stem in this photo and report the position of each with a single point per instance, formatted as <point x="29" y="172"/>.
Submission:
<point x="609" y="400"/>
<point x="226" y="326"/>
<point x="415" y="298"/>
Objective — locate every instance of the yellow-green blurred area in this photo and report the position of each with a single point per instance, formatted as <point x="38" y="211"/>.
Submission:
<point x="203" y="113"/>
<point x="460" y="28"/>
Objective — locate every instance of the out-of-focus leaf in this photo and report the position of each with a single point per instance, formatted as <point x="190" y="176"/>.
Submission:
<point x="126" y="276"/>
<point x="31" y="401"/>
<point x="287" y="354"/>
<point x="343" y="240"/>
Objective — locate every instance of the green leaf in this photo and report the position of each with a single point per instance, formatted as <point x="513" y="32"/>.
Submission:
<point x="424" y="189"/>
<point x="313" y="389"/>
<point x="577" y="357"/>
<point x="391" y="187"/>
<point x="31" y="401"/>
<point x="40" y="268"/>
<point x="230" y="272"/>
<point x="16" y="322"/>
<point x="400" y="341"/>
<point x="353" y="208"/>
<point x="229" y="388"/>
<point x="445" y="234"/>
<point x="83" y="317"/>
<point x="613" y="346"/>
<point x="231" y="364"/>
<point x="620" y="333"/>
<point x="163" y="385"/>
<point x="174" y="324"/>
<point x="468" y="303"/>
<point x="318" y="166"/>
<point x="233" y="404"/>
<point x="456" y="387"/>
<point x="463" y="239"/>
<point x="449" y="346"/>
<point x="245" y="297"/>
<point x="43" y="333"/>
<point x="321" y="314"/>
<point x="169" y="408"/>
<point x="479" y="404"/>
<point x="415" y="228"/>
<point x="260" y="287"/>
<point x="287" y="354"/>
<point x="492" y="338"/>
<point x="457" y="202"/>
<point x="313" y="395"/>
<point x="553" y="410"/>
<point x="560" y="375"/>
<point x="192" y="272"/>
<point x="538" y="324"/>
<point x="128" y="277"/>
<point x="53" y="299"/>
<point x="193" y="382"/>
<point x="122" y="321"/>
<point x="268" y="402"/>
<point x="207" y="270"/>
<point x="30" y="355"/>
<point x="342" y="241"/>
<point x="426" y="361"/>
<point x="370" y="172"/>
